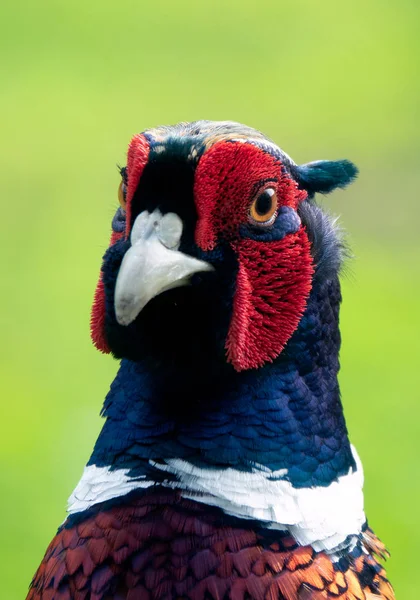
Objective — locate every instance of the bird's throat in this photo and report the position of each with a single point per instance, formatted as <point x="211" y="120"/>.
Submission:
<point x="287" y="415"/>
<point x="268" y="445"/>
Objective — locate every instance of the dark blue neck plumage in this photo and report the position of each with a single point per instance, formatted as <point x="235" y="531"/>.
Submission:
<point x="287" y="415"/>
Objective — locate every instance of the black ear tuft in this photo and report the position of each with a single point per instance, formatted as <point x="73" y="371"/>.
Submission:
<point x="324" y="176"/>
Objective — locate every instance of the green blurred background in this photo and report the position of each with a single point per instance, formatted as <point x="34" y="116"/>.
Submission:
<point x="325" y="80"/>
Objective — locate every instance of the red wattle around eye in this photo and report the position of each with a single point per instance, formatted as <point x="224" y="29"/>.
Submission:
<point x="224" y="189"/>
<point x="137" y="157"/>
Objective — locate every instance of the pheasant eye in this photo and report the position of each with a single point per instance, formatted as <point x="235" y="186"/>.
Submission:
<point x="263" y="209"/>
<point x="122" y="192"/>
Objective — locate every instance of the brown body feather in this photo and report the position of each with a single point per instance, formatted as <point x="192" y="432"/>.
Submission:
<point x="159" y="546"/>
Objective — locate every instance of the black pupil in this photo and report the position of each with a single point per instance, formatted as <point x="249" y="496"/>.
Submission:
<point x="264" y="203"/>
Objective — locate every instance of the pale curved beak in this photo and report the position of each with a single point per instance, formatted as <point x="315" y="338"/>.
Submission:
<point x="153" y="264"/>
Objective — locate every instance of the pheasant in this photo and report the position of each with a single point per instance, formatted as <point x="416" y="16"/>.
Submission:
<point x="224" y="468"/>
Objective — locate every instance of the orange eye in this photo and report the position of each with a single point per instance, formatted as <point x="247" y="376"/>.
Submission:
<point x="122" y="192"/>
<point x="263" y="209"/>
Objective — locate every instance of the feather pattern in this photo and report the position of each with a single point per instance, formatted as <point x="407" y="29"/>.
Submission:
<point x="325" y="517"/>
<point x="159" y="546"/>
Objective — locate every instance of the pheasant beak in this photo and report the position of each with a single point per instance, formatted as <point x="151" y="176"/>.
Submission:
<point x="153" y="264"/>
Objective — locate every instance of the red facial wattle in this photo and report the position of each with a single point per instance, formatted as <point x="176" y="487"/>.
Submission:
<point x="275" y="271"/>
<point x="272" y="288"/>
<point x="274" y="276"/>
<point x="97" y="315"/>
<point x="137" y="157"/>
